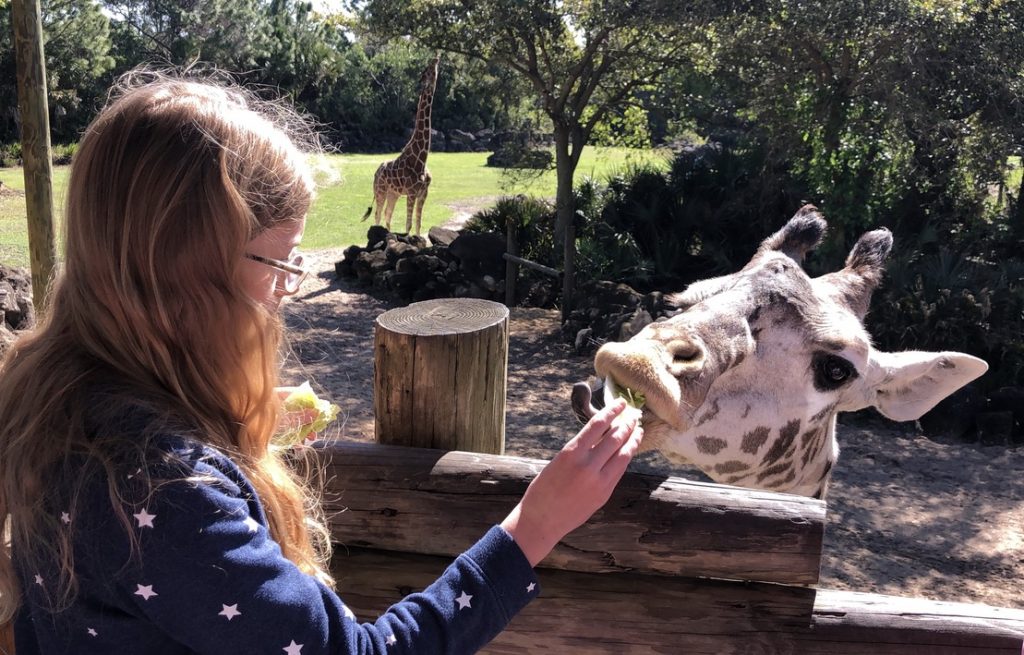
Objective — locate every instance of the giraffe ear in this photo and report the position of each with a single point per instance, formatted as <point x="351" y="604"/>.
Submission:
<point x="865" y="266"/>
<point x="700" y="290"/>
<point x="799" y="236"/>
<point x="911" y="383"/>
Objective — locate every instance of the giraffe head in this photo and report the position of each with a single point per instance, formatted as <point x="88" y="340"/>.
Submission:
<point x="746" y="380"/>
<point x="428" y="80"/>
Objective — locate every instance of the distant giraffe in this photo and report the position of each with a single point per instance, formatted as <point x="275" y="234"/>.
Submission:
<point x="407" y="175"/>
<point x="745" y="382"/>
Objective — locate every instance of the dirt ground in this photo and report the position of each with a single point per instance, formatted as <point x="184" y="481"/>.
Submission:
<point x="907" y="516"/>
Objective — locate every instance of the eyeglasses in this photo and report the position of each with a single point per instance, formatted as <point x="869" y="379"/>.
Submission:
<point x="293" y="267"/>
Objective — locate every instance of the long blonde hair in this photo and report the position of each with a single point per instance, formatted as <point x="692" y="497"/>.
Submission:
<point x="170" y="182"/>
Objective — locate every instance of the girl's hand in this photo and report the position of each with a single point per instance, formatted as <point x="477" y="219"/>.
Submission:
<point x="577" y="482"/>
<point x="290" y="420"/>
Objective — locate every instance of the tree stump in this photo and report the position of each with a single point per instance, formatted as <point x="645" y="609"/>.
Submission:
<point x="440" y="371"/>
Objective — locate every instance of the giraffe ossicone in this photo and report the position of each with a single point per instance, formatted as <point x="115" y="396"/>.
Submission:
<point x="746" y="380"/>
<point x="407" y="174"/>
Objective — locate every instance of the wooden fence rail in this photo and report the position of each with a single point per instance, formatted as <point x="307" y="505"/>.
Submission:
<point x="668" y="566"/>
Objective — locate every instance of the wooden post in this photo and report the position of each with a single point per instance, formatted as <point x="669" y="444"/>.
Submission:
<point x="440" y="369"/>
<point x="35" y="144"/>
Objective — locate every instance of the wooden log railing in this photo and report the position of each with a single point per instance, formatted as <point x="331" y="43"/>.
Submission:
<point x="668" y="566"/>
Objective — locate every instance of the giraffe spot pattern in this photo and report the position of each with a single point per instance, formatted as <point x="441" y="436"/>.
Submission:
<point x="786" y="437"/>
<point x="753" y="440"/>
<point x="778" y="469"/>
<point x="811" y="443"/>
<point x="710" y="445"/>
<point x="708" y="415"/>
<point x="775" y="484"/>
<point x="823" y="413"/>
<point x="732" y="466"/>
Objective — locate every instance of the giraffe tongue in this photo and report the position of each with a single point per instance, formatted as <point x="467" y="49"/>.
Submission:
<point x="581" y="405"/>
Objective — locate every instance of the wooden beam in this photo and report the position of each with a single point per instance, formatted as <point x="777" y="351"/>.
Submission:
<point x="589" y="613"/>
<point x="541" y="268"/>
<point x="436" y="502"/>
<point x="35" y="144"/>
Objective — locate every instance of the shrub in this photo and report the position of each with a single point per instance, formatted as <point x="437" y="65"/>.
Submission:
<point x="10" y="154"/>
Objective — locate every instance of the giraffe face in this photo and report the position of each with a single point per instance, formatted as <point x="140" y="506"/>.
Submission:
<point x="746" y="380"/>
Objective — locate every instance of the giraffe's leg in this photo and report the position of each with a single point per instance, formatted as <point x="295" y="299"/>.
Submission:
<point x="391" y="200"/>
<point x="378" y="199"/>
<point x="410" y="206"/>
<point x="420" y="199"/>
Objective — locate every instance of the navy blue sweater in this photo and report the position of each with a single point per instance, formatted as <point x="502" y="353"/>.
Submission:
<point x="206" y="577"/>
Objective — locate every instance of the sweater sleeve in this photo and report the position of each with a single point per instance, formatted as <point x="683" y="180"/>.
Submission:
<point x="209" y="574"/>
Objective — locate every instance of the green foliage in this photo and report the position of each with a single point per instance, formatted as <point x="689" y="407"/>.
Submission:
<point x="628" y="128"/>
<point x="530" y="217"/>
<point x="956" y="300"/>
<point x="10" y="154"/>
<point x="77" y="62"/>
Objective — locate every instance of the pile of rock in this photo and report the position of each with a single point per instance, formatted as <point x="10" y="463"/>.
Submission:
<point x="16" y="310"/>
<point x="452" y="265"/>
<point x="608" y="311"/>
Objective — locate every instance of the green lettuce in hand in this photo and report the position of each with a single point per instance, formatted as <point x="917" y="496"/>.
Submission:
<point x="317" y="414"/>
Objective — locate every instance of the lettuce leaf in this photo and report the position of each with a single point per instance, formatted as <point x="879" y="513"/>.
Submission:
<point x="301" y="399"/>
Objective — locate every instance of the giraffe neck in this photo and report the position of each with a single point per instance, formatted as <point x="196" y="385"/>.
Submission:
<point x="419" y="143"/>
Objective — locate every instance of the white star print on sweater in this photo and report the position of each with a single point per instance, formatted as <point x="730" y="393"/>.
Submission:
<point x="211" y="580"/>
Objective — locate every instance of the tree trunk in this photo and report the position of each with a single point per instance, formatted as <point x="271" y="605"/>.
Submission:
<point x="565" y="167"/>
<point x="35" y="145"/>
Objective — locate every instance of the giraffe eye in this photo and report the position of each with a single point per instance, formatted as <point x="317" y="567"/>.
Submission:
<point x="831" y="371"/>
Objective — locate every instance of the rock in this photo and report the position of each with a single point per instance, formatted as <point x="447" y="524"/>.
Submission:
<point x="483" y="138"/>
<point x="461" y="136"/>
<point x="16" y="307"/>
<point x="995" y="428"/>
<point x="398" y="250"/>
<point x="518" y="157"/>
<point x="582" y="343"/>
<point x="368" y="264"/>
<point x="7" y="337"/>
<point x="638" y="321"/>
<point x="344" y="268"/>
<point x="415" y="240"/>
<point x="437" y="141"/>
<point x="480" y="253"/>
<point x="442" y="236"/>
<point x="375" y="236"/>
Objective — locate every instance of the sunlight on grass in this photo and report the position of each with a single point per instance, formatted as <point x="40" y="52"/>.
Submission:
<point x="462" y="183"/>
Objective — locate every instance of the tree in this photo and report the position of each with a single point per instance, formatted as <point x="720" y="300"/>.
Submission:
<point x="233" y="34"/>
<point x="897" y="112"/>
<point x="78" y="60"/>
<point x="583" y="59"/>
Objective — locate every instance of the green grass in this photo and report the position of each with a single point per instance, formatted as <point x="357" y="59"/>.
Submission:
<point x="461" y="183"/>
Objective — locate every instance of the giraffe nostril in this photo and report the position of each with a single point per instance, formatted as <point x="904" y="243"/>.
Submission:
<point x="687" y="356"/>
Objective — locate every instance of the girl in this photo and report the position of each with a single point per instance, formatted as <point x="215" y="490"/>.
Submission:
<point x="143" y="509"/>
